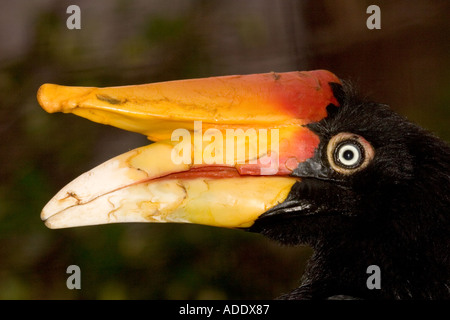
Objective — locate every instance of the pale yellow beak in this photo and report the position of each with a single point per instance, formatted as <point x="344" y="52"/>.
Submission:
<point x="214" y="184"/>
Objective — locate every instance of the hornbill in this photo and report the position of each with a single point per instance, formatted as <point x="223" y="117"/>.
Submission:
<point x="322" y="167"/>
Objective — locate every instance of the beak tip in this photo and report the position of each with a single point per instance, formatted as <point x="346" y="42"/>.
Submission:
<point x="57" y="98"/>
<point x="44" y="97"/>
<point x="49" y="225"/>
<point x="47" y="221"/>
<point x="45" y="217"/>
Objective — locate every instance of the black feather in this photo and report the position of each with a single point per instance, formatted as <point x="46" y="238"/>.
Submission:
<point x="394" y="213"/>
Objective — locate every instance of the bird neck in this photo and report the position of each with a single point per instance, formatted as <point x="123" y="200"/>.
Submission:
<point x="404" y="268"/>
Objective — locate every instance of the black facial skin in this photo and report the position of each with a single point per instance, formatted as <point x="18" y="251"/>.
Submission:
<point x="394" y="213"/>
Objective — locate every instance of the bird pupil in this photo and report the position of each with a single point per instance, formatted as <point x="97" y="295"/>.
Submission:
<point x="348" y="155"/>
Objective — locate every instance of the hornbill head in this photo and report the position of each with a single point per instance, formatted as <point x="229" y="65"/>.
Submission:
<point x="296" y="156"/>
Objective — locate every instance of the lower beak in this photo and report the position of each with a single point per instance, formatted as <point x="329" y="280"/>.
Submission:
<point x="144" y="185"/>
<point x="224" y="153"/>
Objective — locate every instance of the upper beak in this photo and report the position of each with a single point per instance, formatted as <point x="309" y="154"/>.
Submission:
<point x="225" y="149"/>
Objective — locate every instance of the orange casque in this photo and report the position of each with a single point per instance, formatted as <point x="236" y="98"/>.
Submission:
<point x="284" y="101"/>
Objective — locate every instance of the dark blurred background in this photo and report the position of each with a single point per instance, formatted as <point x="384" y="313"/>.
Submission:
<point x="405" y="64"/>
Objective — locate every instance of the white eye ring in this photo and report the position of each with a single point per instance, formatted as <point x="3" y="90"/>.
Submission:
<point x="349" y="154"/>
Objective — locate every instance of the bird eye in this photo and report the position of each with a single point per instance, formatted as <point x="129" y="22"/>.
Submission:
<point x="349" y="152"/>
